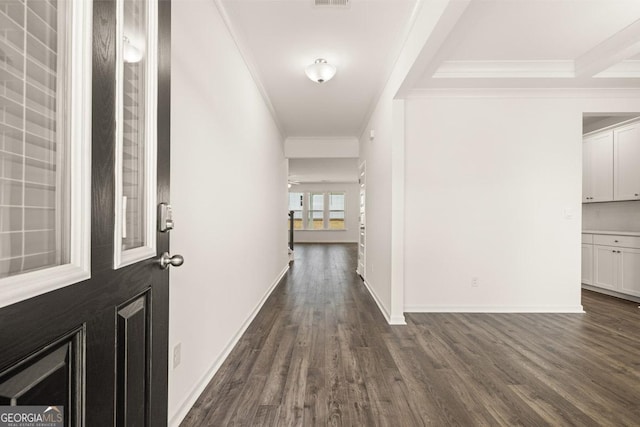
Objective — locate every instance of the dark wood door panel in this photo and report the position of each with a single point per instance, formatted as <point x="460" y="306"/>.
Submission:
<point x="102" y="306"/>
<point x="53" y="314"/>
<point x="52" y="376"/>
<point x="132" y="370"/>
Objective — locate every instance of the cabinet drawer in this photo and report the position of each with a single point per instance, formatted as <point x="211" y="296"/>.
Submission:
<point x="614" y="240"/>
<point x="587" y="238"/>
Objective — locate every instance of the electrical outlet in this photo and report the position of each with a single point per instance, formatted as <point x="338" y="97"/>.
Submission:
<point x="475" y="282"/>
<point x="177" y="355"/>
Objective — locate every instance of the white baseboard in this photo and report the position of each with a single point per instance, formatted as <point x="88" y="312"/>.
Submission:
<point x="392" y="320"/>
<point x="188" y="402"/>
<point x="381" y="306"/>
<point x="492" y="309"/>
<point x="397" y="320"/>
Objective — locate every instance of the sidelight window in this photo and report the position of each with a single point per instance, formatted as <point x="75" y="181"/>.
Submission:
<point x="135" y="236"/>
<point x="44" y="139"/>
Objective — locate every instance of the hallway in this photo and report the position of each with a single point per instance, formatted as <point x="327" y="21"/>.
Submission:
<point x="320" y="353"/>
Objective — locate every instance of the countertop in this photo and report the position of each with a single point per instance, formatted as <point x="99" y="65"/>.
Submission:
<point x="617" y="233"/>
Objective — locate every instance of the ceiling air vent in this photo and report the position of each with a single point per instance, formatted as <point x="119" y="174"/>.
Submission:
<point x="332" y="3"/>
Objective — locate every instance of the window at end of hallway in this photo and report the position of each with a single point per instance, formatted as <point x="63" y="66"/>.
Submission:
<point x="316" y="211"/>
<point x="336" y="211"/>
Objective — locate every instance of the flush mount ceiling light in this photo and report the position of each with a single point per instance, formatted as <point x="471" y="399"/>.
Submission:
<point x="131" y="54"/>
<point x="320" y="71"/>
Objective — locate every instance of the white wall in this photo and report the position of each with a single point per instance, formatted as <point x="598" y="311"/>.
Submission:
<point x="384" y="158"/>
<point x="615" y="216"/>
<point x="350" y="235"/>
<point x="493" y="191"/>
<point x="323" y="170"/>
<point x="229" y="195"/>
<point x="376" y="155"/>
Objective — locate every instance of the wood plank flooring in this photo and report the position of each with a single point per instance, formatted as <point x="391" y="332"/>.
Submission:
<point x="320" y="353"/>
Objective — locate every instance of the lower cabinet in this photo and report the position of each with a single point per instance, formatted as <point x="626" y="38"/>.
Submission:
<point x="605" y="267"/>
<point x="614" y="268"/>
<point x="587" y="264"/>
<point x="629" y="271"/>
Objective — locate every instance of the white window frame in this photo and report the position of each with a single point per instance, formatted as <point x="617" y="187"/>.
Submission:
<point x="307" y="199"/>
<point x="121" y="257"/>
<point x="27" y="285"/>
<point x="326" y="210"/>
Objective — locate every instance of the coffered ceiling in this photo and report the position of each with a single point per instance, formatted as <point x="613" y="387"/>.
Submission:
<point x="540" y="43"/>
<point x="480" y="44"/>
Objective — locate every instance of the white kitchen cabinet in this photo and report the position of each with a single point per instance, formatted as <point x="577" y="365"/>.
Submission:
<point x="587" y="264"/>
<point x="614" y="262"/>
<point x="597" y="173"/>
<point x="605" y="267"/>
<point x="629" y="271"/>
<point x="626" y="166"/>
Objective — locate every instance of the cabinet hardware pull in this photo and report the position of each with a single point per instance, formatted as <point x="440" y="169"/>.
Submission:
<point x="616" y="241"/>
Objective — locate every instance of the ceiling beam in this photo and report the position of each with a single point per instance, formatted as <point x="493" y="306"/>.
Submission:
<point x="435" y="49"/>
<point x="617" y="48"/>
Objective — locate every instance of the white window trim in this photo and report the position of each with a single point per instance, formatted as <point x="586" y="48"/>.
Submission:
<point x="20" y="287"/>
<point x="123" y="258"/>
<point x="326" y="210"/>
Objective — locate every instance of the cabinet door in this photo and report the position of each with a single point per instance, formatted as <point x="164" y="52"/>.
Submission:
<point x="598" y="168"/>
<point x="629" y="271"/>
<point x="587" y="264"/>
<point x="626" y="156"/>
<point x="586" y="172"/>
<point x="605" y="265"/>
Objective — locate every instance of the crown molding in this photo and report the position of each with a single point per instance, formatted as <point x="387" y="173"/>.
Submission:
<point x="253" y="71"/>
<point x="504" y="69"/>
<point x="380" y="90"/>
<point x="623" y="93"/>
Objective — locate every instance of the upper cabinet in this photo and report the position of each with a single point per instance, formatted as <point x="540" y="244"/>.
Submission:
<point x="597" y="170"/>
<point x="611" y="165"/>
<point x="626" y="167"/>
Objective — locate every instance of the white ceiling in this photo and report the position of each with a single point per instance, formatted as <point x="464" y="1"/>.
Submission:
<point x="540" y="43"/>
<point x="279" y="38"/>
<point x="539" y="30"/>
<point x="491" y="44"/>
<point x="595" y="121"/>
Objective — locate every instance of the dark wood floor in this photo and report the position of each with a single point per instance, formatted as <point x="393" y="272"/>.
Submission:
<point x="320" y="353"/>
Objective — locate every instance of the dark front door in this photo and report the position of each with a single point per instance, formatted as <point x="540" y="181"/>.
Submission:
<point x="97" y="348"/>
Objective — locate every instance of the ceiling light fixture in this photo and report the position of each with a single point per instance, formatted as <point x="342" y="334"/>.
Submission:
<point x="131" y="54"/>
<point x="320" y="71"/>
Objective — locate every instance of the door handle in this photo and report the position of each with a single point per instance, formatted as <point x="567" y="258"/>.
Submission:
<point x="166" y="260"/>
